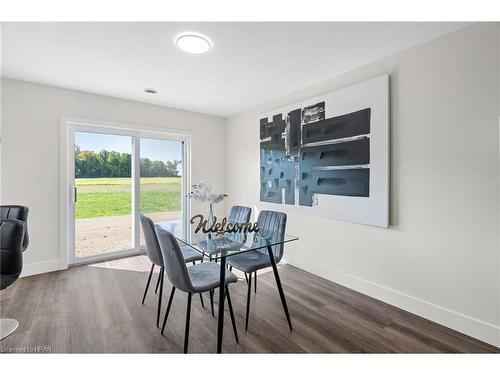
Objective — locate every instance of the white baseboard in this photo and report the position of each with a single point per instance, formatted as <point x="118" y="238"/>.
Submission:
<point x="470" y="326"/>
<point x="36" y="268"/>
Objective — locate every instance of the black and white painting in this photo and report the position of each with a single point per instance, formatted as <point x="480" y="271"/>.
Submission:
<point x="329" y="155"/>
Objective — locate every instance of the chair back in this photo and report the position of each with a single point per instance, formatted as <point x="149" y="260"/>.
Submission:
<point x="18" y="213"/>
<point x="175" y="266"/>
<point x="238" y="215"/>
<point x="152" y="246"/>
<point x="273" y="222"/>
<point x="12" y="234"/>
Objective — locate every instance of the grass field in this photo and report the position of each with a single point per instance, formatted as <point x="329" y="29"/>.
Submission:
<point x="112" y="196"/>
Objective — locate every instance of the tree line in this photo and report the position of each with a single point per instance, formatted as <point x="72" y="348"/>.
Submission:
<point x="118" y="164"/>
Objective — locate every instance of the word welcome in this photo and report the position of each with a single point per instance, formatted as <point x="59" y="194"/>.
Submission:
<point x="223" y="226"/>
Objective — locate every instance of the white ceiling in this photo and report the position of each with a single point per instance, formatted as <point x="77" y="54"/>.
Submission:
<point x="250" y="63"/>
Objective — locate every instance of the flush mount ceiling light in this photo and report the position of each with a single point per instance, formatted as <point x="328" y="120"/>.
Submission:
<point x="193" y="43"/>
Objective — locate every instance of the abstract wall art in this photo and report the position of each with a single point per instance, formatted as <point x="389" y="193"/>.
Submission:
<point x="329" y="155"/>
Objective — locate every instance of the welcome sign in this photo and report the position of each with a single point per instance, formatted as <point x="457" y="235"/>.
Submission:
<point x="224" y="226"/>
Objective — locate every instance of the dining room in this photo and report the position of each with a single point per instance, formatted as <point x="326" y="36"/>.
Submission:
<point x="310" y="191"/>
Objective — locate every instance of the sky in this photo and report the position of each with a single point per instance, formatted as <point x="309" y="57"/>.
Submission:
<point x="154" y="149"/>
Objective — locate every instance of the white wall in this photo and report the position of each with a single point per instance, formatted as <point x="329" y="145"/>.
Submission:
<point x="440" y="257"/>
<point x="30" y="153"/>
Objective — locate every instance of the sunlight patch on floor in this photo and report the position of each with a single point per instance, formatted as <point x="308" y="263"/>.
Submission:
<point x="135" y="263"/>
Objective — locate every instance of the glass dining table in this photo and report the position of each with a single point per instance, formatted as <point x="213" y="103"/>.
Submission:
<point x="218" y="248"/>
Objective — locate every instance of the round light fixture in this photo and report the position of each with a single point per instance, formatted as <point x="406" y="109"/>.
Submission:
<point x="193" y="43"/>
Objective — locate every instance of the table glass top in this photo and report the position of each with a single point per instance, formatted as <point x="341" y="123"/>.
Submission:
<point x="227" y="244"/>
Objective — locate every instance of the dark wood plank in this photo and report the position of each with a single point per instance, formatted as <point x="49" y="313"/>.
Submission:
<point x="97" y="308"/>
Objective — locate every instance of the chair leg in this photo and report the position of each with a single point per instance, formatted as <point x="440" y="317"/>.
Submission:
<point x="194" y="263"/>
<point x="231" y="313"/>
<point x="248" y="299"/>
<point x="157" y="283"/>
<point x="246" y="277"/>
<point x="212" y="302"/>
<point x="230" y="268"/>
<point x="255" y="283"/>
<point x="168" y="309"/>
<point x="188" y="316"/>
<point x="159" y="297"/>
<point x="147" y="284"/>
<point x="201" y="299"/>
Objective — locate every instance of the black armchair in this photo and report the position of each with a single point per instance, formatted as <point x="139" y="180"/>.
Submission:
<point x="13" y="241"/>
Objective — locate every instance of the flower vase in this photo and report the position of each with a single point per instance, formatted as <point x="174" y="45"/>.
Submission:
<point x="211" y="218"/>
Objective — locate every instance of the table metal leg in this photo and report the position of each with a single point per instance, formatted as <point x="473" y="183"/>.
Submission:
<point x="278" y="283"/>
<point x="220" y="317"/>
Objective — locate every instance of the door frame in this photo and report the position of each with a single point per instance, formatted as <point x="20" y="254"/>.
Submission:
<point x="67" y="229"/>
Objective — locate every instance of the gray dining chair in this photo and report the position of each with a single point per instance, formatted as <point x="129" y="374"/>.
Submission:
<point x="198" y="278"/>
<point x="154" y="254"/>
<point x="238" y="215"/>
<point x="250" y="262"/>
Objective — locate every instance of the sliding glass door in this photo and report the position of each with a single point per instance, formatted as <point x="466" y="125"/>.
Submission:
<point x="161" y="180"/>
<point x="103" y="193"/>
<point x="114" y="176"/>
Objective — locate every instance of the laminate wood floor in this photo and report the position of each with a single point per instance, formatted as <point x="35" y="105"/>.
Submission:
<point x="97" y="308"/>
